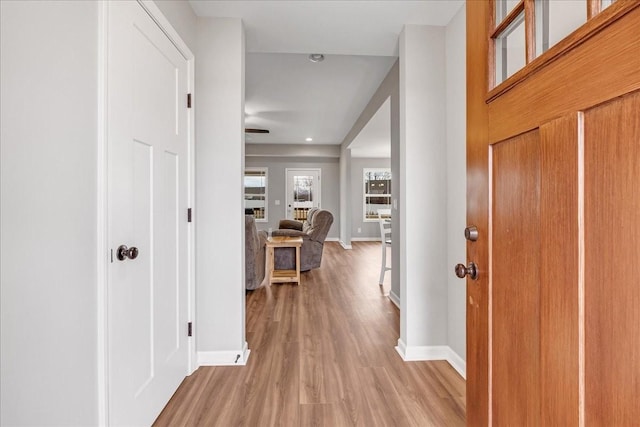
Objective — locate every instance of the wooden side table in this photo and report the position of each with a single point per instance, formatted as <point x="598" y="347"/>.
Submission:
<point x="283" y="276"/>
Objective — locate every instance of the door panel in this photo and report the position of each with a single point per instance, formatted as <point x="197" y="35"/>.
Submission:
<point x="167" y="232"/>
<point x="148" y="143"/>
<point x="141" y="281"/>
<point x="561" y="283"/>
<point x="515" y="288"/>
<point x="612" y="206"/>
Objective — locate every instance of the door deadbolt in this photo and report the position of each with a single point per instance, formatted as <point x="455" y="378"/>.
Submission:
<point x="462" y="271"/>
<point x="124" y="252"/>
<point x="471" y="233"/>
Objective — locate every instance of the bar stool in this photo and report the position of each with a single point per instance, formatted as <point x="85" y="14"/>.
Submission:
<point x="385" y="236"/>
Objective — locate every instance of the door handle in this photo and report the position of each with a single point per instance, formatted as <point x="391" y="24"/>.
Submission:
<point x="123" y="252"/>
<point x="462" y="271"/>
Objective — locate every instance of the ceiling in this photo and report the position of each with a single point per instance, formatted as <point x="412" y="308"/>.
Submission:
<point x="295" y="98"/>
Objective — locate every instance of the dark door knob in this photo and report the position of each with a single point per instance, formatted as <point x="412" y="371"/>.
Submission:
<point x="462" y="271"/>
<point x="123" y="252"/>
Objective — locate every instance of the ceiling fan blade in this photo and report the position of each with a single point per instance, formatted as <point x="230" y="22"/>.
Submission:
<point x="252" y="130"/>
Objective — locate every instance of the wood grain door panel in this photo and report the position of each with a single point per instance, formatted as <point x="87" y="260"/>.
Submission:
<point x="515" y="288"/>
<point x="612" y="248"/>
<point x="561" y="282"/>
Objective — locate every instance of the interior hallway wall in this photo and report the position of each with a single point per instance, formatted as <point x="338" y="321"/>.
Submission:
<point x="422" y="179"/>
<point x="218" y="216"/>
<point x="389" y="88"/>
<point x="456" y="180"/>
<point x="48" y="153"/>
<point x="345" y="196"/>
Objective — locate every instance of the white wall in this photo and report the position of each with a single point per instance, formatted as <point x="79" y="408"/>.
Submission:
<point x="182" y="18"/>
<point x="49" y="87"/>
<point x="423" y="222"/>
<point x="48" y="187"/>
<point x="345" y="197"/>
<point x="369" y="229"/>
<point x="394" y="292"/>
<point x="389" y="88"/>
<point x="219" y="218"/>
<point x="292" y="150"/>
<point x="330" y="179"/>
<point x="456" y="178"/>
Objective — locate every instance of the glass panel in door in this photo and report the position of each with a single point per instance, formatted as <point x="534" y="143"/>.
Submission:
<point x="303" y="192"/>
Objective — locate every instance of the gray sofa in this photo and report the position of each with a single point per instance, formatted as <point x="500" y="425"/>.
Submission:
<point x="313" y="232"/>
<point x="254" y="253"/>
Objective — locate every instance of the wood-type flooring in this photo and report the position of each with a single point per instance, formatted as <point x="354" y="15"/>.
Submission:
<point x="322" y="354"/>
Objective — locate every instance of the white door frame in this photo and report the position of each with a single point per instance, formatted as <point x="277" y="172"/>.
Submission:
<point x="286" y="185"/>
<point x="102" y="203"/>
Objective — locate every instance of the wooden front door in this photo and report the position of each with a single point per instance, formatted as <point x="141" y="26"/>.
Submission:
<point x="553" y="159"/>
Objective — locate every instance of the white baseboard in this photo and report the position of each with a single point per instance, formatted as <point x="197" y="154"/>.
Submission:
<point x="458" y="363"/>
<point x="365" y="239"/>
<point x="395" y="299"/>
<point x="332" y="239"/>
<point x="345" y="246"/>
<point x="224" y="358"/>
<point x="401" y="348"/>
<point x="436" y="352"/>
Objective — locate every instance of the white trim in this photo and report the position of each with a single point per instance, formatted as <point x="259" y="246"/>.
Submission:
<point x="395" y="299"/>
<point x="436" y="352"/>
<point x="401" y="348"/>
<point x="191" y="227"/>
<point x="345" y="246"/>
<point x="158" y="17"/>
<point x="458" y="363"/>
<point x="224" y="358"/>
<point x="266" y="189"/>
<point x="102" y="206"/>
<point x="332" y="239"/>
<point x="366" y="239"/>
<point x="416" y="353"/>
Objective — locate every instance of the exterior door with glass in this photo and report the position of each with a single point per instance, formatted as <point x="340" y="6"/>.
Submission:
<point x="303" y="192"/>
<point x="553" y="165"/>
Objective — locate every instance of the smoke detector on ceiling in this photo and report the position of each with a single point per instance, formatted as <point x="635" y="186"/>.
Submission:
<point x="316" y="57"/>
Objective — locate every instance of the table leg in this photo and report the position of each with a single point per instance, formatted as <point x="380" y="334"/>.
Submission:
<point x="272" y="261"/>
<point x="298" y="264"/>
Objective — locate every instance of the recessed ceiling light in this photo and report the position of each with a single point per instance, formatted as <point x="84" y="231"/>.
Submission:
<point x="316" y="57"/>
<point x="309" y="139"/>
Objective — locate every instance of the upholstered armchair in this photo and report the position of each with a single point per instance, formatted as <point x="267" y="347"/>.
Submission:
<point x="254" y="253"/>
<point x="313" y="232"/>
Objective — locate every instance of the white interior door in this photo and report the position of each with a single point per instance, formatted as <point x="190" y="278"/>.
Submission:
<point x="303" y="192"/>
<point x="147" y="142"/>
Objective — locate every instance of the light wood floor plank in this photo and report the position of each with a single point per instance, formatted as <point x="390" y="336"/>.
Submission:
<point x="322" y="354"/>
